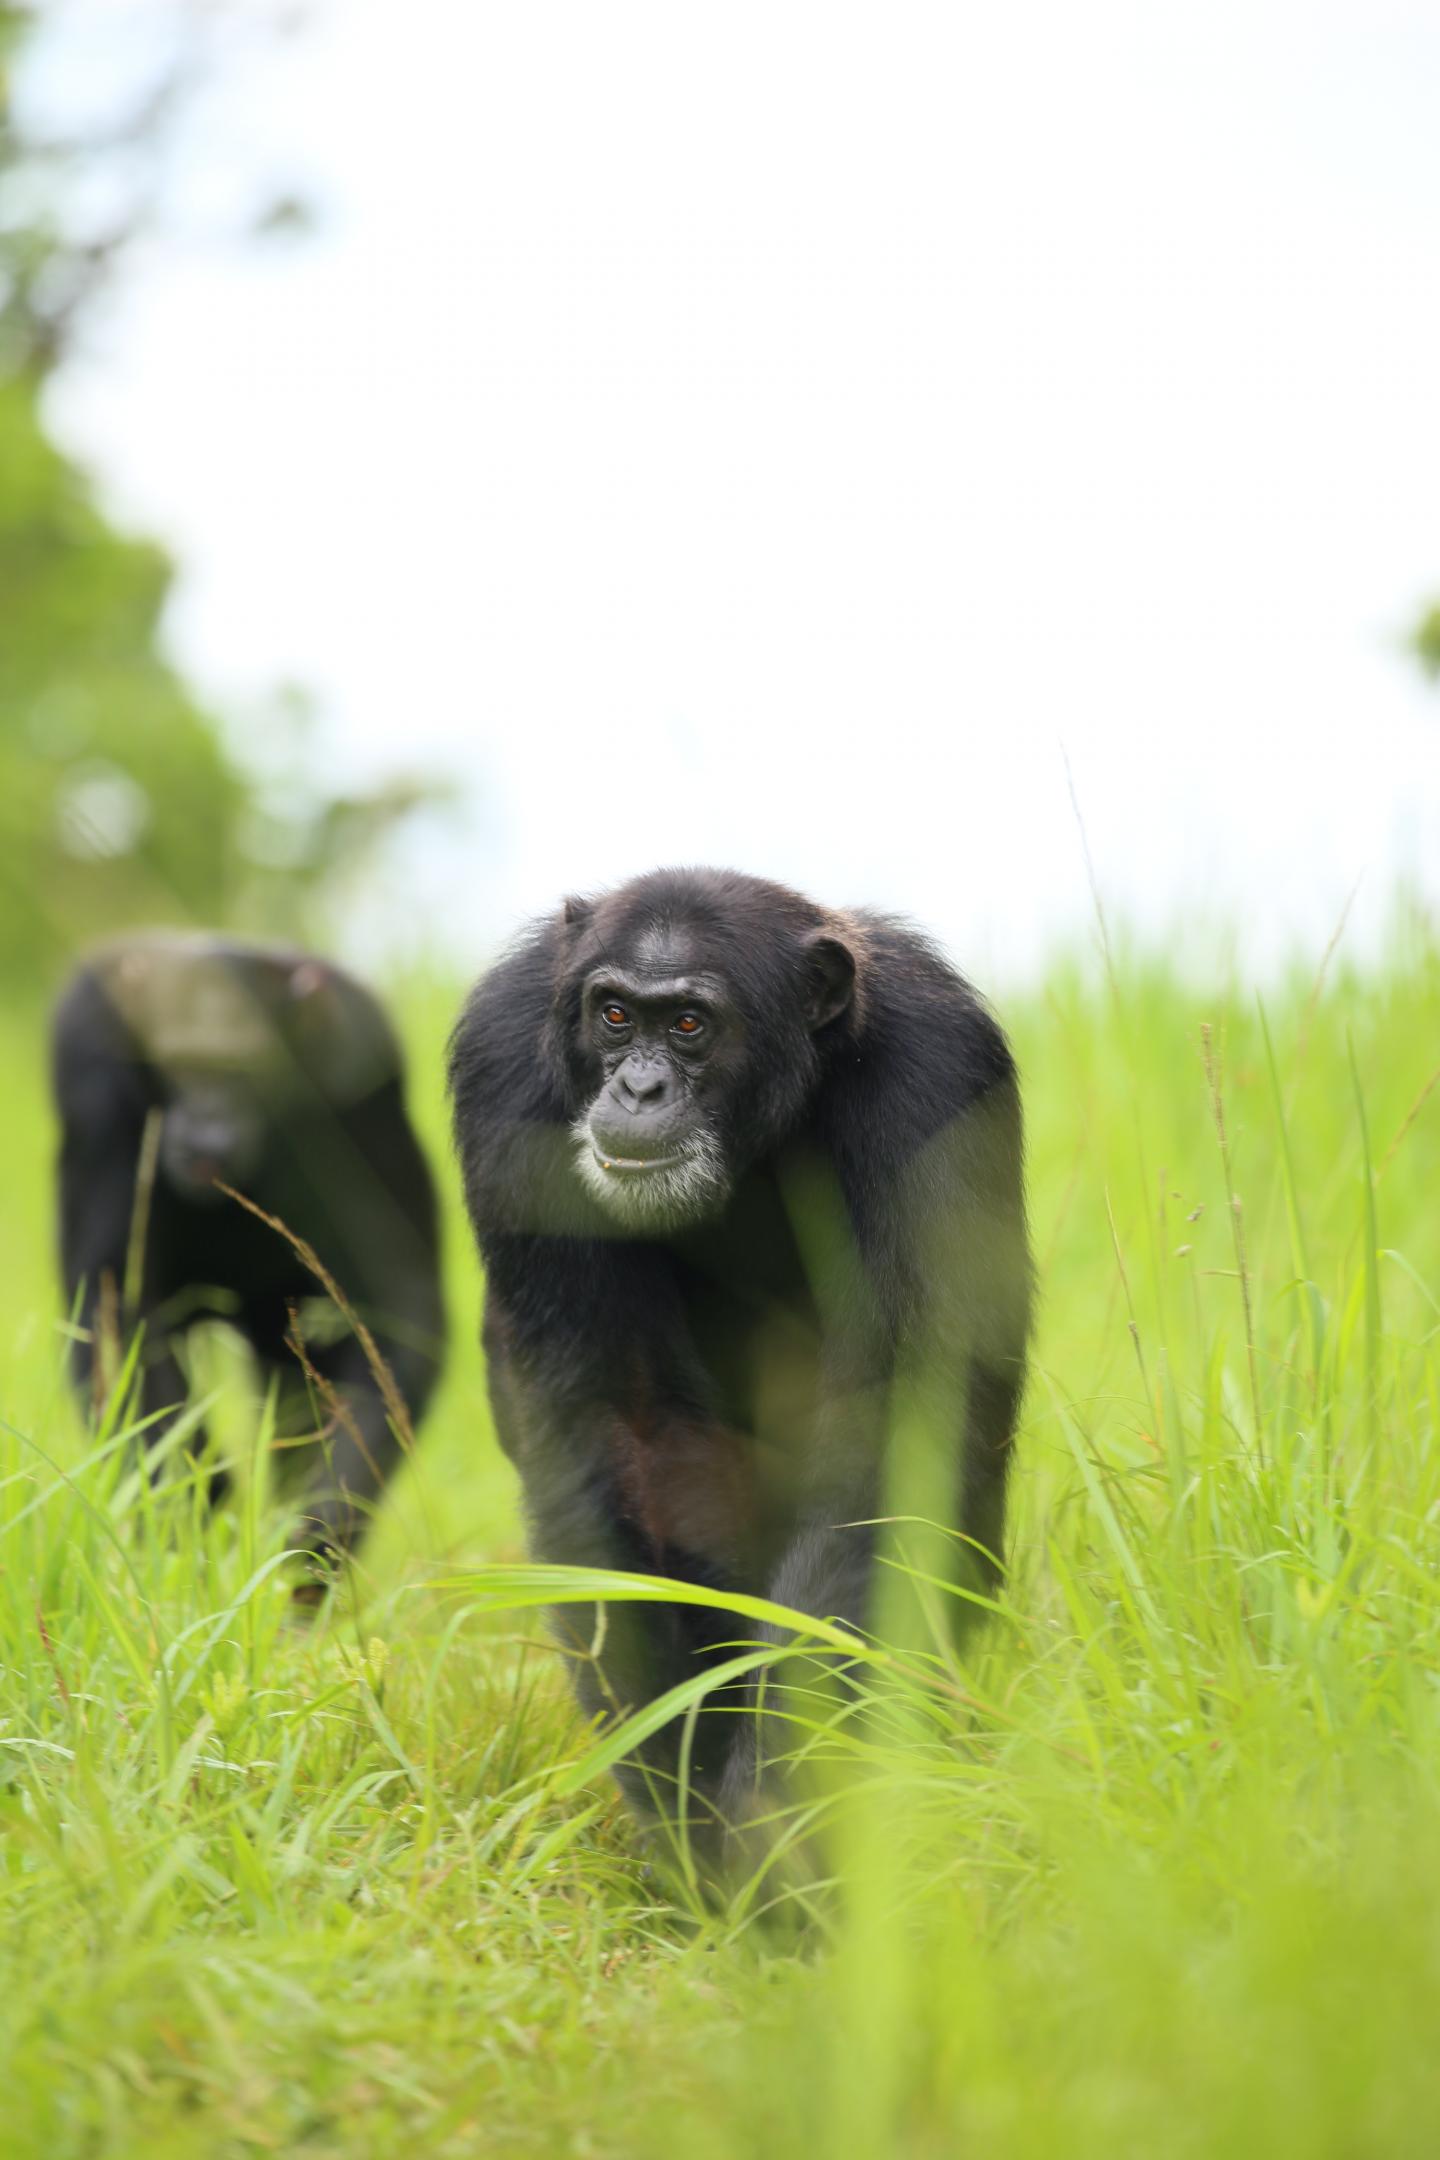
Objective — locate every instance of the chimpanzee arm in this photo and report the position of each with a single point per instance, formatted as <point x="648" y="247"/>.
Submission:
<point x="103" y="1098"/>
<point x="923" y="1369"/>
<point x="97" y="1205"/>
<point x="572" y="1406"/>
<point x="962" y="1364"/>
<point x="923" y="1375"/>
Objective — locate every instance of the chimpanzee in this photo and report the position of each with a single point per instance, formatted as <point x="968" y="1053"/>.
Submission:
<point x="746" y="1178"/>
<point x="184" y="1062"/>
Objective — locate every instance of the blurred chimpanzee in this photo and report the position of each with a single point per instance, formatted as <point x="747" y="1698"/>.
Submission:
<point x="746" y="1178"/>
<point x="182" y="1060"/>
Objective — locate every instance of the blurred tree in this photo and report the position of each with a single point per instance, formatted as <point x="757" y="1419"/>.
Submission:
<point x="117" y="801"/>
<point x="1425" y="641"/>
<point x="119" y="798"/>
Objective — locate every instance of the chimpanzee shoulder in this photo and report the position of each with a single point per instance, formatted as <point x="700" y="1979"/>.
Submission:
<point x="505" y="1088"/>
<point x="496" y="1048"/>
<point x="922" y="1049"/>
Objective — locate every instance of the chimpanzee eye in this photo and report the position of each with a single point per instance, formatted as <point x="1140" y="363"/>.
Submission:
<point x="615" y="1016"/>
<point x="689" y="1024"/>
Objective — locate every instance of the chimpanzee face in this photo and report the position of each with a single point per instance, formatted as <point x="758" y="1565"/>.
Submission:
<point x="670" y="1045"/>
<point x="213" y="1127"/>
<point x="697" y="1054"/>
<point x="239" y="1041"/>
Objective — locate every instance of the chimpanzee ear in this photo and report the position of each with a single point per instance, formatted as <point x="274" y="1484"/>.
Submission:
<point x="577" y="910"/>
<point x="306" y="978"/>
<point x="831" y="979"/>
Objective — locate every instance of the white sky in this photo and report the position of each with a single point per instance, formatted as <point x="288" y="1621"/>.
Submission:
<point x="764" y="434"/>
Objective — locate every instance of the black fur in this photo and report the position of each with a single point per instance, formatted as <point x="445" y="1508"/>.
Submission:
<point x="711" y="1398"/>
<point x="286" y="1071"/>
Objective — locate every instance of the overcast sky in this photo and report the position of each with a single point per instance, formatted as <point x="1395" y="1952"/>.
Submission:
<point x="768" y="434"/>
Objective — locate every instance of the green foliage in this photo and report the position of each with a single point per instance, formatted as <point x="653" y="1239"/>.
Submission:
<point x="1425" y="642"/>
<point x="1154" y="1872"/>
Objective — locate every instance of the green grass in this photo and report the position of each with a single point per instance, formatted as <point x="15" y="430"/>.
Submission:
<point x="1157" y="1873"/>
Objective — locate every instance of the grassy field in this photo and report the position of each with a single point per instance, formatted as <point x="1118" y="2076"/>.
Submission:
<point x="1157" y="1873"/>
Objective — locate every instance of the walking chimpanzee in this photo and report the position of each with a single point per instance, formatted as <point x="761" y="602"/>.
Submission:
<point x="184" y="1063"/>
<point x="746" y="1177"/>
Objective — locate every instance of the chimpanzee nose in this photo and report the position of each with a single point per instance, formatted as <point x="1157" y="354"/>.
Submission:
<point x="642" y="1087"/>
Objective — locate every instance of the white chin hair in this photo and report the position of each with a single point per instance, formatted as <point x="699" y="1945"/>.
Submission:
<point x="693" y="1184"/>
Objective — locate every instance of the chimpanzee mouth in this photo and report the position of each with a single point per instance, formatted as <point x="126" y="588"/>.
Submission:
<point x="628" y="1165"/>
<point x="652" y="1190"/>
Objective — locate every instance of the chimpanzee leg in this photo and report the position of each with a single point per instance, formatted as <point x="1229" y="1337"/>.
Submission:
<point x="621" y="1655"/>
<point x="990" y="1423"/>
